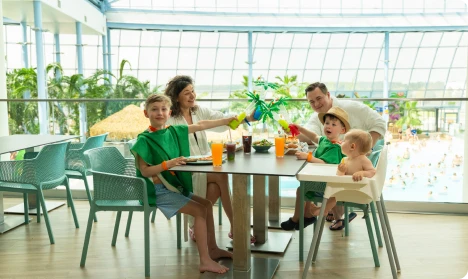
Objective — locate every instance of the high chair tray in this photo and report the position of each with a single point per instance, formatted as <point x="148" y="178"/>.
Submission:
<point x="327" y="173"/>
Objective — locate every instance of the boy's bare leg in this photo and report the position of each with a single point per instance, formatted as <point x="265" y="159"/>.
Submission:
<point x="221" y="182"/>
<point x="214" y="251"/>
<point x="200" y="213"/>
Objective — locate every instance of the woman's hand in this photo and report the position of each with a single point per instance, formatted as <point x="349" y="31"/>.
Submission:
<point x="176" y="162"/>
<point x="301" y="155"/>
<point x="357" y="176"/>
<point x="229" y="119"/>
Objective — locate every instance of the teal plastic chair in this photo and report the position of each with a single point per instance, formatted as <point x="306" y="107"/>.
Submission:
<point x="374" y="157"/>
<point x="116" y="189"/>
<point x="77" y="166"/>
<point x="45" y="171"/>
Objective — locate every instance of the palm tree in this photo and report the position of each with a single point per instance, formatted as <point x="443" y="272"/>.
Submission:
<point x="24" y="116"/>
<point x="127" y="86"/>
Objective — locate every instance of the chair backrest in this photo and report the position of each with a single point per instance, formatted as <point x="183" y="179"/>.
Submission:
<point x="109" y="160"/>
<point x="49" y="165"/>
<point x="94" y="142"/>
<point x="381" y="173"/>
<point x="110" y="178"/>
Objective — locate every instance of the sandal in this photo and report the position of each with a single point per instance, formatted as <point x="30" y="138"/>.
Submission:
<point x="330" y="217"/>
<point x="351" y="217"/>
<point x="252" y="238"/>
<point x="192" y="234"/>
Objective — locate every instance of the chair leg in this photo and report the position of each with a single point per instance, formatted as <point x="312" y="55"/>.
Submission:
<point x="129" y="222"/>
<point x="319" y="238"/>
<point x="346" y="220"/>
<point x="376" y="224"/>
<point x="371" y="237"/>
<point x="220" y="212"/>
<point x="116" y="227"/>
<point x="88" y="193"/>
<point x="147" y="243"/>
<point x="179" y="232"/>
<point x="72" y="205"/>
<point x="390" y="234"/>
<point x="26" y="208"/>
<point x="38" y="208"/>
<point x="301" y="223"/>
<point x="314" y="240"/>
<point x="387" y="241"/>
<point x="153" y="216"/>
<point x="46" y="215"/>
<point x="84" y="253"/>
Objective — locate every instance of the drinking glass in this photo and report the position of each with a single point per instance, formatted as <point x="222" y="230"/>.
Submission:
<point x="231" y="151"/>
<point x="247" y="142"/>
<point x="217" y="153"/>
<point x="279" y="146"/>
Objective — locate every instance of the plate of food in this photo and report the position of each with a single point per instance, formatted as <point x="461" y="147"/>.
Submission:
<point x="262" y="146"/>
<point x="293" y="147"/>
<point x="201" y="160"/>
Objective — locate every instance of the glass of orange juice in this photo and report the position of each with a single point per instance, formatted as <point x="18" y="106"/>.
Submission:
<point x="279" y="146"/>
<point x="217" y="153"/>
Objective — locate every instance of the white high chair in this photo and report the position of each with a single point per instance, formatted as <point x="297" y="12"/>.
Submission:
<point x="344" y="189"/>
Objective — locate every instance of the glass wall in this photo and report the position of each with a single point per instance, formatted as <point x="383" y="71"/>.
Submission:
<point x="421" y="65"/>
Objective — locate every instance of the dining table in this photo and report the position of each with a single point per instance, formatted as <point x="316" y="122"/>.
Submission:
<point x="255" y="169"/>
<point x="26" y="142"/>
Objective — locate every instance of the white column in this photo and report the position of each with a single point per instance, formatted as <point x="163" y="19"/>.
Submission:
<point x="4" y="131"/>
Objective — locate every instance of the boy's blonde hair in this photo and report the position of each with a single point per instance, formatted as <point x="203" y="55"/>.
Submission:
<point x="362" y="139"/>
<point x="157" y="98"/>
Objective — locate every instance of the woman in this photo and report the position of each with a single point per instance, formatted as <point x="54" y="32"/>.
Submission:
<point x="185" y="111"/>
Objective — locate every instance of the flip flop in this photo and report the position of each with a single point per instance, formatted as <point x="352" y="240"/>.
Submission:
<point x="329" y="217"/>
<point x="351" y="217"/>
<point x="252" y="238"/>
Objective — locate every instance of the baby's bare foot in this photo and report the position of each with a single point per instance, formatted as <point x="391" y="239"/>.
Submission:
<point x="212" y="266"/>
<point x="219" y="253"/>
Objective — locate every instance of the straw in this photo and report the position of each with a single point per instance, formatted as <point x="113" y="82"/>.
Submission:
<point x="230" y="138"/>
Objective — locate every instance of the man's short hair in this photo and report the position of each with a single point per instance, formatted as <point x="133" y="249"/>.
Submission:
<point x="314" y="85"/>
<point x="157" y="98"/>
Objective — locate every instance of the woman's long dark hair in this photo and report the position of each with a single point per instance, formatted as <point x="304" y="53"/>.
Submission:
<point x="173" y="89"/>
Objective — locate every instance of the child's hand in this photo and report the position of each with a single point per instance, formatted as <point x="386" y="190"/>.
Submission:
<point x="176" y="162"/>
<point x="357" y="176"/>
<point x="342" y="168"/>
<point x="301" y="155"/>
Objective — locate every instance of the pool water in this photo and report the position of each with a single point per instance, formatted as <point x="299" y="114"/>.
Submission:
<point x="416" y="172"/>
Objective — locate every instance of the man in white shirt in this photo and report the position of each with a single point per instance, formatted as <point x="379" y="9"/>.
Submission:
<point x="360" y="116"/>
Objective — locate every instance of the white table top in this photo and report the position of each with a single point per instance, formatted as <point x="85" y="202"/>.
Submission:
<point x="20" y="142"/>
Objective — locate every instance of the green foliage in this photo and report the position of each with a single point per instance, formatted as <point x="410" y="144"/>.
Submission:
<point x="23" y="116"/>
<point x="410" y="116"/>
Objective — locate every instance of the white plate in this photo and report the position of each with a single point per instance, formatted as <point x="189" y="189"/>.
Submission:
<point x="203" y="162"/>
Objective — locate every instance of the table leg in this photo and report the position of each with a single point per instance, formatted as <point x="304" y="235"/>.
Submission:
<point x="8" y="222"/>
<point x="241" y="216"/>
<point x="260" y="209"/>
<point x="274" y="202"/>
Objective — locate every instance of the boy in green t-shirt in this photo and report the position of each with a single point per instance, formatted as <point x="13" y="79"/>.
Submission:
<point x="335" y="122"/>
<point x="161" y="148"/>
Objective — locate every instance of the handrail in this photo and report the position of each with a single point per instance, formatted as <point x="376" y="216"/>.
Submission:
<point x="231" y="100"/>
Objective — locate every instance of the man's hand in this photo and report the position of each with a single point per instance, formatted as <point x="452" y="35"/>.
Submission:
<point x="357" y="176"/>
<point x="301" y="155"/>
<point x="176" y="162"/>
